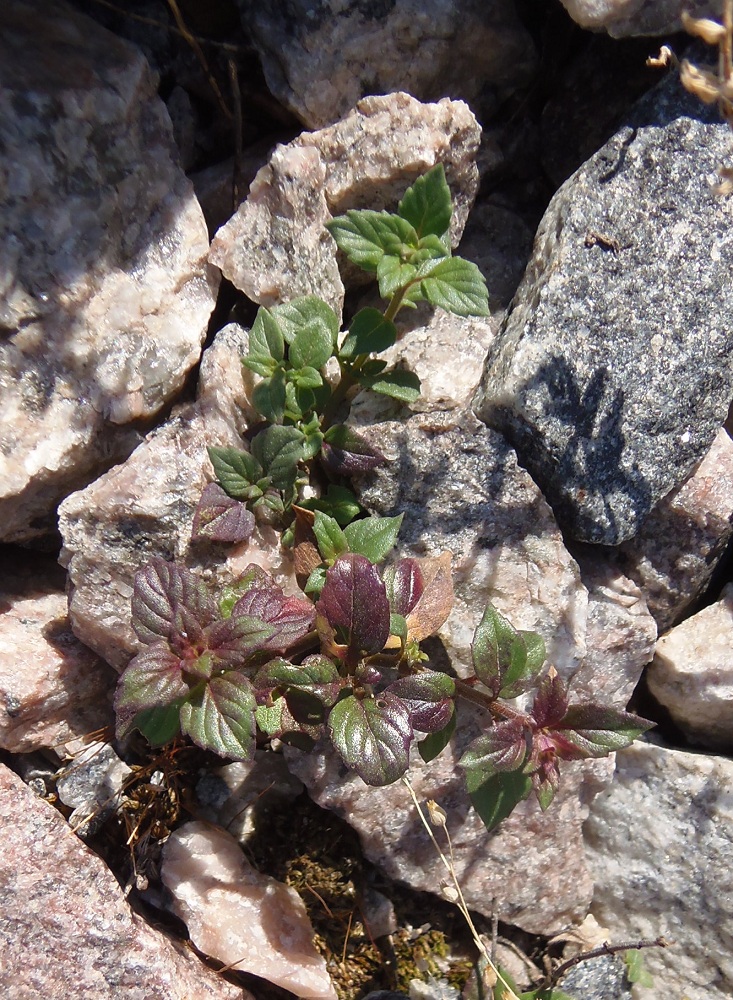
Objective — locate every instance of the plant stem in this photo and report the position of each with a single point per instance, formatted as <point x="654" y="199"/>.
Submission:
<point x="469" y="693"/>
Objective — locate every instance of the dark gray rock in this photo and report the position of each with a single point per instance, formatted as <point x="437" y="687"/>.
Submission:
<point x="601" y="978"/>
<point x="321" y="57"/>
<point x="614" y="368"/>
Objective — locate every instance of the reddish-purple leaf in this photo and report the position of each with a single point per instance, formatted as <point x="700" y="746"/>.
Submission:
<point x="170" y="603"/>
<point x="404" y="583"/>
<point x="344" y="452"/>
<point x="428" y="697"/>
<point x="354" y="604"/>
<point x="551" y="700"/>
<point x="316" y="675"/>
<point x="501" y="748"/>
<point x="291" y="617"/>
<point x="595" y="731"/>
<point x="233" y="640"/>
<point x="545" y="782"/>
<point x="221" y="518"/>
<point x="152" y="679"/>
<point x="373" y="736"/>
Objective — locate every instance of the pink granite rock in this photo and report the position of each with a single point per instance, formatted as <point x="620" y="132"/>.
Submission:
<point x="692" y="675"/>
<point x="52" y="688"/>
<point x="245" y="919"/>
<point x="106" y="293"/>
<point x="65" y="927"/>
<point x="275" y="247"/>
<point x="674" y="554"/>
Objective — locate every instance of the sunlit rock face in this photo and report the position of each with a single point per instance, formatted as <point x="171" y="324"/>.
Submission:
<point x="105" y="293"/>
<point x="624" y="18"/>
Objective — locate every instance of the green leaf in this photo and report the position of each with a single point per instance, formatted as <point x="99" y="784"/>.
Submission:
<point x="306" y="313"/>
<point x="457" y="286"/>
<point x="369" y="333"/>
<point x="160" y="724"/>
<point x="339" y="502"/>
<point x="365" y="236"/>
<point x="398" y="626"/>
<point x="435" y="743"/>
<point x="595" y="731"/>
<point x="373" y="736"/>
<point x="235" y="470"/>
<point x="635" y="971"/>
<point x="266" y="344"/>
<point x="427" y="204"/>
<point x="494" y="645"/>
<point x="269" y="717"/>
<point x="316" y="581"/>
<point x="373" y="537"/>
<point x="331" y="539"/>
<point x="307" y="378"/>
<point x="393" y="273"/>
<point x="397" y="383"/>
<point x="311" y="347"/>
<point x="222" y="717"/>
<point x="279" y="449"/>
<point x="268" y="397"/>
<point x="494" y="798"/>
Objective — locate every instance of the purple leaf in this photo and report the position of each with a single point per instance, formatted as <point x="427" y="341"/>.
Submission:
<point x="502" y="748"/>
<point x="222" y="717"/>
<point x="373" y="736"/>
<point x="404" y="583"/>
<point x="233" y="640"/>
<point x="551" y="700"/>
<point x="354" y="603"/>
<point x="428" y="697"/>
<point x="292" y="618"/>
<point x="170" y="603"/>
<point x="316" y="675"/>
<point x="152" y="679"/>
<point x="344" y="452"/>
<point x="220" y="518"/>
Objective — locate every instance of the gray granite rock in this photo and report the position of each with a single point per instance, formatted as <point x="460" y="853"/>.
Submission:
<point x="659" y="843"/>
<point x="692" y="675"/>
<point x="673" y="556"/>
<point x="65" y="926"/>
<point x="53" y="690"/>
<point x="622" y="18"/>
<point x="614" y="368"/>
<point x="106" y="292"/>
<point x="92" y="785"/>
<point x="145" y="508"/>
<point x="275" y="247"/>
<point x="321" y="57"/>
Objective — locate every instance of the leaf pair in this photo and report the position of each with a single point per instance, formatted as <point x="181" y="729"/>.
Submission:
<point x="410" y="252"/>
<point x="192" y="674"/>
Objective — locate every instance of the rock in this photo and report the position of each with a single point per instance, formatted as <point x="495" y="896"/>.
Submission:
<point x="107" y="293"/>
<point x="622" y="18"/>
<point x="614" y="370"/>
<point x="92" y="784"/>
<point x="239" y="916"/>
<point x="499" y="242"/>
<point x="673" y="556"/>
<point x="601" y="978"/>
<point x="321" y="58"/>
<point x="276" y="247"/>
<point x="52" y="688"/>
<point x="145" y="508"/>
<point x="65" y="927"/>
<point x="659" y="842"/>
<point x="692" y="675"/>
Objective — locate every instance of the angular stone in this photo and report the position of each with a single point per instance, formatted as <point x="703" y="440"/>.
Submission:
<point x="245" y="919"/>
<point x="144" y="508"/>
<point x="64" y="919"/>
<point x="106" y="293"/>
<point x="673" y="556"/>
<point x="276" y="247"/>
<point x="321" y="58"/>
<point x="623" y="18"/>
<point x="91" y="784"/>
<point x="614" y="369"/>
<point x="692" y="675"/>
<point x="659" y="843"/>
<point x="52" y="688"/>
